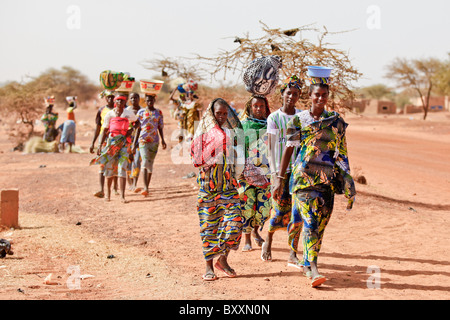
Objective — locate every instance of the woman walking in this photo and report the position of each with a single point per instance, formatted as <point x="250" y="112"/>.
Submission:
<point x="116" y="154"/>
<point x="213" y="152"/>
<point x="320" y="170"/>
<point x="254" y="185"/>
<point x="282" y="206"/>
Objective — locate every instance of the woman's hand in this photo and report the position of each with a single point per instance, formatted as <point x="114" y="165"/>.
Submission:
<point x="277" y="185"/>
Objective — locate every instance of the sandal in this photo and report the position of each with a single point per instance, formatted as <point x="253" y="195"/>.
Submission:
<point x="317" y="281"/>
<point x="298" y="264"/>
<point x="99" y="194"/>
<point x="229" y="272"/>
<point x="209" y="276"/>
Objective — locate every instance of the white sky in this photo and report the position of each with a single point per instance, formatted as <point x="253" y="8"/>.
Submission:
<point x="120" y="35"/>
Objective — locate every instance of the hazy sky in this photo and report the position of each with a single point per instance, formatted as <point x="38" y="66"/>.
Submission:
<point x="93" y="36"/>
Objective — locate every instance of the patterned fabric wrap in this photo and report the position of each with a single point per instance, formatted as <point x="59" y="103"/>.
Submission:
<point x="49" y="122"/>
<point x="291" y="82"/>
<point x="114" y="156"/>
<point x="280" y="213"/>
<point x="255" y="205"/>
<point x="192" y="114"/>
<point x="135" y="167"/>
<point x="151" y="121"/>
<point x="254" y="185"/>
<point x="314" y="80"/>
<point x="210" y="140"/>
<point x="106" y="93"/>
<point x="323" y="153"/>
<point x="218" y="200"/>
<point x="220" y="222"/>
<point x="111" y="80"/>
<point x="314" y="206"/>
<point x="246" y="113"/>
<point x="261" y="76"/>
<point x="256" y="170"/>
<point x="217" y="178"/>
<point x="148" y="153"/>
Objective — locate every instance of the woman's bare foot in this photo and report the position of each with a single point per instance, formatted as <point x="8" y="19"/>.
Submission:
<point x="266" y="248"/>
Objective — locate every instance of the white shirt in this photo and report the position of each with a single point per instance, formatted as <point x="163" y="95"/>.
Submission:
<point x="276" y="125"/>
<point x="125" y="114"/>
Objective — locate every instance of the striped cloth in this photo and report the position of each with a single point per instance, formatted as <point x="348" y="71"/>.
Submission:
<point x="276" y="125"/>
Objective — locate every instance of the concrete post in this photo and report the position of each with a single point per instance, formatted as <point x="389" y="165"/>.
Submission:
<point x="9" y="208"/>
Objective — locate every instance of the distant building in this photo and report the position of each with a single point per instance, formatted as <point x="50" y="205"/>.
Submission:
<point x="436" y="103"/>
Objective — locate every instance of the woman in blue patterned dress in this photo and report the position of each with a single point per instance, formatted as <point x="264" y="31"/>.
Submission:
<point x="321" y="170"/>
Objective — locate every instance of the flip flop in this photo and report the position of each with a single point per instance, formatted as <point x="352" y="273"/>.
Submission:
<point x="269" y="258"/>
<point x="247" y="248"/>
<point x="317" y="281"/>
<point x="207" y="276"/>
<point x="297" y="265"/>
<point x="99" y="194"/>
<point x="144" y="193"/>
<point x="230" y="272"/>
<point x="137" y="190"/>
<point x="308" y="274"/>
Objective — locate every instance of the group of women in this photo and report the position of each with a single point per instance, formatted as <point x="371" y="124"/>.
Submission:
<point x="294" y="162"/>
<point x="129" y="138"/>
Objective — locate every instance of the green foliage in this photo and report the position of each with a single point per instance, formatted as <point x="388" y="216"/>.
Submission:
<point x="376" y="91"/>
<point x="416" y="74"/>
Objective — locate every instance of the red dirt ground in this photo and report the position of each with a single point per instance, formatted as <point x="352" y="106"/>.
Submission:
<point x="399" y="226"/>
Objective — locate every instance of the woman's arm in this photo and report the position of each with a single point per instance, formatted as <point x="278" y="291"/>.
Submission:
<point x="285" y="159"/>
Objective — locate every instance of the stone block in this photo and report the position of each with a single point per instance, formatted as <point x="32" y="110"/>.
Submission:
<point x="9" y="208"/>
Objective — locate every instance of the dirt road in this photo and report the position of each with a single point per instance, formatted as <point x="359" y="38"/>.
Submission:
<point x="394" y="244"/>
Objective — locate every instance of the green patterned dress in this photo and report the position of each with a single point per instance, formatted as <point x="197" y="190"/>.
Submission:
<point x="254" y="186"/>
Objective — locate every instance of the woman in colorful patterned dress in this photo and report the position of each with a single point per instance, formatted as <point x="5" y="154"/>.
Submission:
<point x="213" y="152"/>
<point x="321" y="169"/>
<point x="115" y="155"/>
<point x="49" y="119"/>
<point x="135" y="166"/>
<point x="254" y="185"/>
<point x="148" y="135"/>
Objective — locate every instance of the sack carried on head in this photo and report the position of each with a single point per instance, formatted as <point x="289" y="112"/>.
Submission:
<point x="111" y="80"/>
<point x="261" y="76"/>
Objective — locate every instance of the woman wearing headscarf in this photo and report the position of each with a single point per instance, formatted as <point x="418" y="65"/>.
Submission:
<point x="320" y="170"/>
<point x="254" y="185"/>
<point x="213" y="151"/>
<point x="282" y="207"/>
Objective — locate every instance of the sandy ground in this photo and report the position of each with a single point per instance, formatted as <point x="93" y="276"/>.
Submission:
<point x="393" y="245"/>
